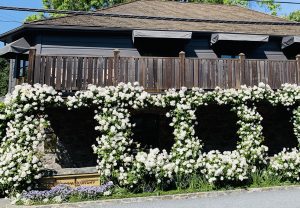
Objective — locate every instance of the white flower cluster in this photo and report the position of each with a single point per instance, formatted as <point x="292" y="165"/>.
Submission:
<point x="186" y="151"/>
<point x="121" y="159"/>
<point x="226" y="166"/>
<point x="296" y="123"/>
<point x="115" y="148"/>
<point x="19" y="160"/>
<point x="186" y="148"/>
<point x="286" y="164"/>
<point x="155" y="163"/>
<point x="250" y="133"/>
<point x="90" y="97"/>
<point x="288" y="95"/>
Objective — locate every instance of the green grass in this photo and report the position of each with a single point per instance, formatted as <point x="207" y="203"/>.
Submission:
<point x="262" y="179"/>
<point x="192" y="184"/>
<point x="124" y="194"/>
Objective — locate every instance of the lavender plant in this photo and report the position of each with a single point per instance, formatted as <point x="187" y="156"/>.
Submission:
<point x="62" y="193"/>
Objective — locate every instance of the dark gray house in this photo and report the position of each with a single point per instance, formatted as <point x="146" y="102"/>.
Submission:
<point x="160" y="44"/>
<point x="142" y="29"/>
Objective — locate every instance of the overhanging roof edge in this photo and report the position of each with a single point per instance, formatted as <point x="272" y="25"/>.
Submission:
<point x="289" y="40"/>
<point x="161" y="34"/>
<point x="215" y="37"/>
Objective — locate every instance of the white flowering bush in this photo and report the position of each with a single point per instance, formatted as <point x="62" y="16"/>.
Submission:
<point x="296" y="123"/>
<point x="250" y="145"/>
<point x="115" y="147"/>
<point x="226" y="166"/>
<point x="125" y="162"/>
<point x="92" y="97"/>
<point x="288" y="95"/>
<point x="187" y="149"/>
<point x="19" y="156"/>
<point x="286" y="164"/>
<point x="154" y="166"/>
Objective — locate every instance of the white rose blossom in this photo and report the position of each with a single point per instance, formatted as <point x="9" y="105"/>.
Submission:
<point x="23" y="120"/>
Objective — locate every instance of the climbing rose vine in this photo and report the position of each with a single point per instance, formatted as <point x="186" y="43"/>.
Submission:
<point x="19" y="151"/>
<point x="23" y="119"/>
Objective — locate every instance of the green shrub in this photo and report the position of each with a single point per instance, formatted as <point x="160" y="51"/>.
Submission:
<point x="4" y="76"/>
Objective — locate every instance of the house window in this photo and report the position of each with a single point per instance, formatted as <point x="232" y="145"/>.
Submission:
<point x="230" y="56"/>
<point x="20" y="68"/>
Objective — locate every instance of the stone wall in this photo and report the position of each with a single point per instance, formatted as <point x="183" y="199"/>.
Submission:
<point x="70" y="138"/>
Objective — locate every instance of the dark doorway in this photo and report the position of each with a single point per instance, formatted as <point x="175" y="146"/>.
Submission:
<point x="152" y="128"/>
<point x="75" y="132"/>
<point x="217" y="127"/>
<point x="277" y="127"/>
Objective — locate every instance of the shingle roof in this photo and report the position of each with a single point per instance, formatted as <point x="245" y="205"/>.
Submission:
<point x="179" y="10"/>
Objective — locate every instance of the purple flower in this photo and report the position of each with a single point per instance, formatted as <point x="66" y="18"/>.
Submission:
<point x="65" y="192"/>
<point x="92" y="191"/>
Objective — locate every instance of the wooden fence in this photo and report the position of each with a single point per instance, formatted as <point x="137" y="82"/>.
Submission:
<point x="159" y="73"/>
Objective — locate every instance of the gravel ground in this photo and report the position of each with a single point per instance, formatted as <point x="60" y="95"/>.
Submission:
<point x="255" y="198"/>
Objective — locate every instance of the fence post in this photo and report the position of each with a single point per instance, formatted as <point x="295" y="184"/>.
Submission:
<point x="116" y="66"/>
<point x="242" y="68"/>
<point x="182" y="67"/>
<point x="298" y="69"/>
<point x="31" y="60"/>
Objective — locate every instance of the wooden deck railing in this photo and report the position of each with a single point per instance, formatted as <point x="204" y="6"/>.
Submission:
<point x="157" y="73"/>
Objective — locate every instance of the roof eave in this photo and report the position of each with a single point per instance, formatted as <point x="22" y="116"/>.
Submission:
<point x="26" y="27"/>
<point x="3" y="36"/>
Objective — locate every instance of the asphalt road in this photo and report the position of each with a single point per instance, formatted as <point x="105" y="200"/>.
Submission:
<point x="267" y="199"/>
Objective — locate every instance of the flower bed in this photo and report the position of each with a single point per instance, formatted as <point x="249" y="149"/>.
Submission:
<point x="125" y="162"/>
<point x="63" y="193"/>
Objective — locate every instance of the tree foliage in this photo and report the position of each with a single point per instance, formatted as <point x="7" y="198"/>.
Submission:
<point x="294" y="16"/>
<point x="4" y="76"/>
<point x="92" y="5"/>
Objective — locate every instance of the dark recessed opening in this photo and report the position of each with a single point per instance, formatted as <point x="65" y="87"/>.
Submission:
<point x="163" y="47"/>
<point x="217" y="127"/>
<point x="152" y="128"/>
<point x="234" y="48"/>
<point x="292" y="51"/>
<point x="277" y="127"/>
<point x="75" y="131"/>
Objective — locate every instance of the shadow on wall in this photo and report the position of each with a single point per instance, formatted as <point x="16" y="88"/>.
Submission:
<point x="217" y="127"/>
<point x="75" y="132"/>
<point x="277" y="127"/>
<point x="152" y="128"/>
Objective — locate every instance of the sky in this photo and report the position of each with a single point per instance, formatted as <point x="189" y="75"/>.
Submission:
<point x="12" y="19"/>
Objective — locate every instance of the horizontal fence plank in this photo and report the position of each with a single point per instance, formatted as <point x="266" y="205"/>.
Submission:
<point x="160" y="73"/>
